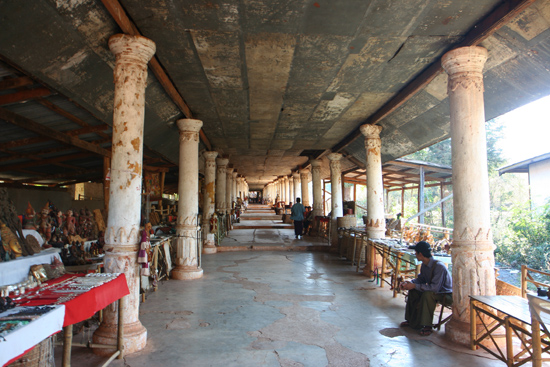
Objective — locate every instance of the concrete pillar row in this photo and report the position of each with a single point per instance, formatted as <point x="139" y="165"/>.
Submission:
<point x="336" y="185"/>
<point x="228" y="190"/>
<point x="221" y="178"/>
<point x="317" y="187"/>
<point x="291" y="197"/>
<point x="376" y="222"/>
<point x="187" y="265"/>
<point x="122" y="237"/>
<point x="472" y="251"/>
<point x="297" y="185"/>
<point x="304" y="179"/>
<point x="209" y="202"/>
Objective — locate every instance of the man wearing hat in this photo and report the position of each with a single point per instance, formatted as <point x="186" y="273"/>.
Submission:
<point x="433" y="285"/>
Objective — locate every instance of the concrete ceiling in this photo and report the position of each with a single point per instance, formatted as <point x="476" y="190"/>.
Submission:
<point x="278" y="82"/>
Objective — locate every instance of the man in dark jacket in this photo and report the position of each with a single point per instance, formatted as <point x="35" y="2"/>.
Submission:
<point x="433" y="285"/>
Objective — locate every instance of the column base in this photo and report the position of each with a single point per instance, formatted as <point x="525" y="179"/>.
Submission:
<point x="209" y="249"/>
<point x="135" y="338"/>
<point x="186" y="273"/>
<point x="458" y="332"/>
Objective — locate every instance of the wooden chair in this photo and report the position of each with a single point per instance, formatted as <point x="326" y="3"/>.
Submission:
<point x="444" y="306"/>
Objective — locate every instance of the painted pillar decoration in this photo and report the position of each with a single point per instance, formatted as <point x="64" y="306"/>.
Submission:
<point x="472" y="249"/>
<point x="221" y="177"/>
<point x="291" y="197"/>
<point x="209" y="203"/>
<point x="304" y="178"/>
<point x="228" y="190"/>
<point x="376" y="222"/>
<point x="123" y="235"/>
<point x="297" y="186"/>
<point x="336" y="185"/>
<point x="317" y="187"/>
<point x="188" y="206"/>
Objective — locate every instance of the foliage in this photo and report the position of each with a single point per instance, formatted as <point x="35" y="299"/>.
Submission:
<point x="526" y="239"/>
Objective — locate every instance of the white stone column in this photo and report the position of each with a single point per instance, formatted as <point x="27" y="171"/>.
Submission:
<point x="376" y="222"/>
<point x="122" y="237"/>
<point x="297" y="186"/>
<point x="187" y="266"/>
<point x="209" y="202"/>
<point x="286" y="189"/>
<point x="472" y="249"/>
<point x="336" y="185"/>
<point x="228" y="190"/>
<point x="317" y="187"/>
<point x="221" y="177"/>
<point x="304" y="178"/>
<point x="291" y="197"/>
<point x="234" y="185"/>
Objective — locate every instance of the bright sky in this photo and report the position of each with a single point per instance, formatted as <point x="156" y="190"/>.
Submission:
<point x="526" y="132"/>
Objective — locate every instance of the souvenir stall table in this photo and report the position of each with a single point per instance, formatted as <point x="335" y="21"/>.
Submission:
<point x="22" y="328"/>
<point x="397" y="259"/>
<point x="17" y="270"/>
<point x="82" y="296"/>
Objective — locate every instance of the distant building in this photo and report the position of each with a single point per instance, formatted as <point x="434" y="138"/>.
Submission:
<point x="538" y="169"/>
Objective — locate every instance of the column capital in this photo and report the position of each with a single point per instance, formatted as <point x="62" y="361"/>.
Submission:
<point x="229" y="171"/>
<point x="189" y="125"/>
<point x="296" y="175"/>
<point x="222" y="162"/>
<point x="210" y="156"/>
<point x="316" y="162"/>
<point x="334" y="156"/>
<point x="371" y="131"/>
<point x="235" y="173"/>
<point x="291" y="178"/>
<point x="304" y="171"/>
<point x="137" y="49"/>
<point x="464" y="59"/>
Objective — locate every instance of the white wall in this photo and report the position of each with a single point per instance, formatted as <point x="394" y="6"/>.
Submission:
<point x="539" y="183"/>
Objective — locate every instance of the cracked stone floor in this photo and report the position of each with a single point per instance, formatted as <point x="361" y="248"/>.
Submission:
<point x="282" y="308"/>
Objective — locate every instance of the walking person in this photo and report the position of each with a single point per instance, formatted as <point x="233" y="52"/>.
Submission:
<point x="297" y="215"/>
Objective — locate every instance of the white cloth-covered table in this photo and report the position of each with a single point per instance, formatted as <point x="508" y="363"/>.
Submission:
<point x="16" y="271"/>
<point x="26" y="337"/>
<point x="35" y="234"/>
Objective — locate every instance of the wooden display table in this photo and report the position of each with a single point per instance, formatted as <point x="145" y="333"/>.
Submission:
<point x="23" y="339"/>
<point x="81" y="304"/>
<point x="510" y="313"/>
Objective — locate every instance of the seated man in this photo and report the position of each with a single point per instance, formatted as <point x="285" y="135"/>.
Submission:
<point x="434" y="284"/>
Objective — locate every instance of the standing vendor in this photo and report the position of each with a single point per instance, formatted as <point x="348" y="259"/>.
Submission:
<point x="433" y="285"/>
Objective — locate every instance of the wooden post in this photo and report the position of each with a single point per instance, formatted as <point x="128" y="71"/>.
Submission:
<point x="442" y="192"/>
<point x="472" y="325"/>
<point x="120" y="332"/>
<point x="524" y="281"/>
<point x="537" y="348"/>
<point x="67" y="344"/>
<point x="403" y="203"/>
<point x="421" y="195"/>
<point x="162" y="176"/>
<point x="510" y="345"/>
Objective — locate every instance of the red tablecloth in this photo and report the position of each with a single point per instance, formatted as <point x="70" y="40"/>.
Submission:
<point x="84" y="305"/>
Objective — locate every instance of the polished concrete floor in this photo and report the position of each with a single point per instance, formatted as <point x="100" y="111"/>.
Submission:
<point x="282" y="308"/>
